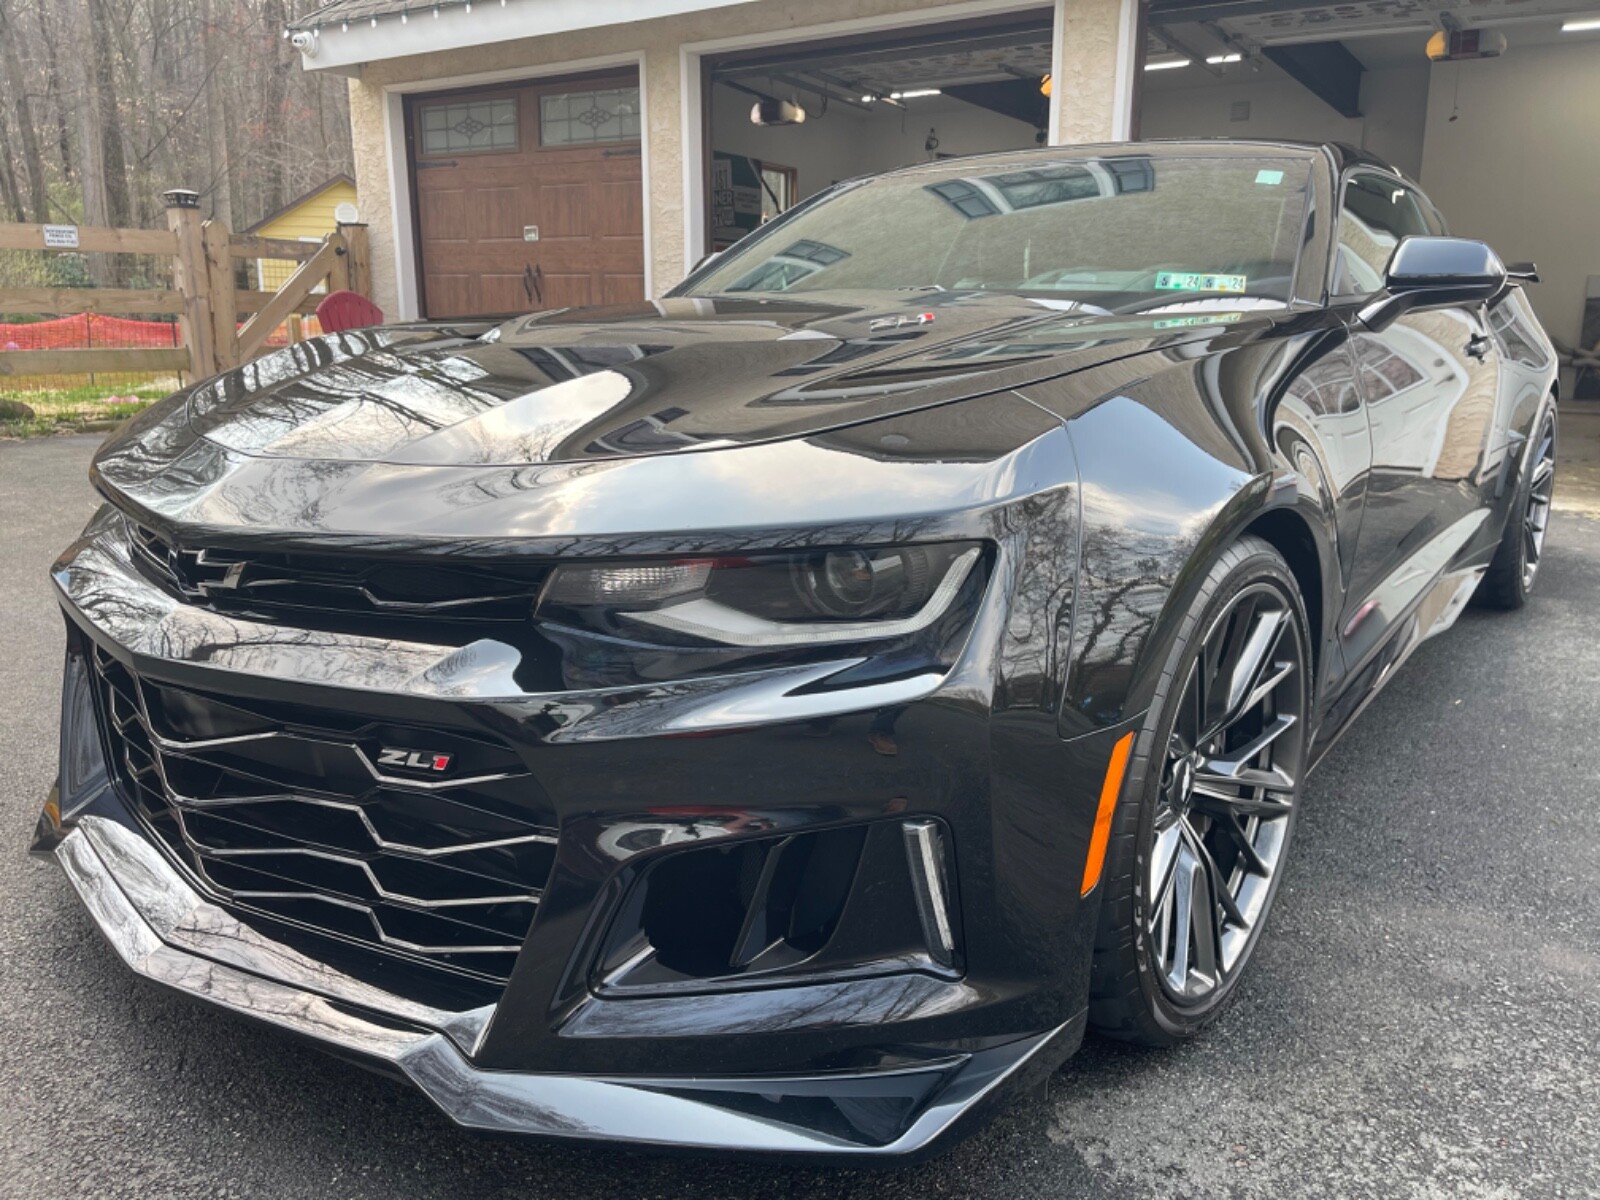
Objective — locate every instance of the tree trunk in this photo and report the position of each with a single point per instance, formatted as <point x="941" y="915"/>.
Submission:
<point x="91" y="141"/>
<point x="275" y="117"/>
<point x="112" y="154"/>
<point x="56" y="93"/>
<point x="17" y="83"/>
<point x="8" y="178"/>
<point x="216" y="119"/>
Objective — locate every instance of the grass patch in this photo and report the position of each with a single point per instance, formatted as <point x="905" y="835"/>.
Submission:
<point x="72" y="403"/>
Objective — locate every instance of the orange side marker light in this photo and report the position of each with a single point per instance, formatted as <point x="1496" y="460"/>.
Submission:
<point x="1109" y="791"/>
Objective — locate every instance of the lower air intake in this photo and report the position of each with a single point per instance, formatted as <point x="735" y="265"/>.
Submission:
<point x="850" y="899"/>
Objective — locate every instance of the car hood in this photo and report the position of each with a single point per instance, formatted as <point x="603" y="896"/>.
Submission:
<point x="675" y="375"/>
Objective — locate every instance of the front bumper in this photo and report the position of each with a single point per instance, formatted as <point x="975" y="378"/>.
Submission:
<point x="152" y="918"/>
<point x="886" y="1062"/>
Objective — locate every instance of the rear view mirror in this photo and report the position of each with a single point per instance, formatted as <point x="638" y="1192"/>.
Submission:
<point x="1435" y="272"/>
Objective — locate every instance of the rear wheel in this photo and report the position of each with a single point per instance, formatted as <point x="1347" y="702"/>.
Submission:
<point x="1201" y="831"/>
<point x="1516" y="563"/>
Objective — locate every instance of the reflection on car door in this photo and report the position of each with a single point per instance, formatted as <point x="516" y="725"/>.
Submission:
<point x="1323" y="431"/>
<point x="1430" y="385"/>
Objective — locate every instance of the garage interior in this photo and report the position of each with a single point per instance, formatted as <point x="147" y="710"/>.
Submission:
<point x="1478" y="100"/>
<point x="868" y="105"/>
<point x="1489" y="105"/>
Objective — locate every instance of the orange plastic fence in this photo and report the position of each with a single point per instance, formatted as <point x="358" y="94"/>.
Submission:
<point x="87" y="331"/>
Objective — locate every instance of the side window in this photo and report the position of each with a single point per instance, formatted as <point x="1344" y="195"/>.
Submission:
<point x="1378" y="211"/>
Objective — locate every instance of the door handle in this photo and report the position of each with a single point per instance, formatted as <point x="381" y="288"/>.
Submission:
<point x="1478" y="346"/>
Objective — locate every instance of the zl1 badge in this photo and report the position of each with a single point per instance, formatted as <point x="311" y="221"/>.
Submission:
<point x="413" y="760"/>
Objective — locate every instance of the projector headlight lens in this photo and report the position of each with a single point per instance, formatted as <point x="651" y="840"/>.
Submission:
<point x="813" y="598"/>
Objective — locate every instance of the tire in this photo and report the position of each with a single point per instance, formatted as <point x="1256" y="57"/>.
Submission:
<point x="1515" y="565"/>
<point x="1166" y="807"/>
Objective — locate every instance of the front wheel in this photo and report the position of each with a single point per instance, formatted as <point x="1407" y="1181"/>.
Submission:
<point x="1201" y="831"/>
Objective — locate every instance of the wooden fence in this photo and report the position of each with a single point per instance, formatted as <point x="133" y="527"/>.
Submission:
<point x="204" y="298"/>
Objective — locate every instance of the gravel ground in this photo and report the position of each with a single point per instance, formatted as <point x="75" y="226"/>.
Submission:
<point x="1421" y="1019"/>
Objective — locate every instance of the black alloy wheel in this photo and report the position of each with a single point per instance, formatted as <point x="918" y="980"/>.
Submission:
<point x="1202" y="829"/>
<point x="1511" y="575"/>
<point x="1536" y="514"/>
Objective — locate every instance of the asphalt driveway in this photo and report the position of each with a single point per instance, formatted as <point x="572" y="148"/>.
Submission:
<point x="1422" y="1019"/>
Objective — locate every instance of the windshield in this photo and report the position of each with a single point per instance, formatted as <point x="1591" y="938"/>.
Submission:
<point x="1118" y="234"/>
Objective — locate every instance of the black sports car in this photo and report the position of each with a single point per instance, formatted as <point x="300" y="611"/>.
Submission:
<point x="785" y="716"/>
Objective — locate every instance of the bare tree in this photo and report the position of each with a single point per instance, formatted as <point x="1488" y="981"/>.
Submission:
<point x="18" y="104"/>
<point x="104" y="104"/>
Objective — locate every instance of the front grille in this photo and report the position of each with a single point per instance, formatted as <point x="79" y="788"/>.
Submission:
<point x="284" y="811"/>
<point x="296" y="584"/>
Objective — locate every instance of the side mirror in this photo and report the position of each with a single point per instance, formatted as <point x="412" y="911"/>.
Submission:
<point x="1435" y="272"/>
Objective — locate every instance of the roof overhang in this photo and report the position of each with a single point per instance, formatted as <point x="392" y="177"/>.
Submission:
<point x="341" y="40"/>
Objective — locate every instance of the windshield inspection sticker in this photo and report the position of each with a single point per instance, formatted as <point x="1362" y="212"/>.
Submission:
<point x="1191" y="281"/>
<point x="1266" y="176"/>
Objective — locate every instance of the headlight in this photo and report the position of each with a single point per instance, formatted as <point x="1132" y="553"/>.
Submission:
<point x="823" y="597"/>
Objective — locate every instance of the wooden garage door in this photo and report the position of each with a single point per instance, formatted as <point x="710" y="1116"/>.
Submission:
<point x="528" y="197"/>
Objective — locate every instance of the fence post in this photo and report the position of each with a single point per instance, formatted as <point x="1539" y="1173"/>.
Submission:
<point x="192" y="279"/>
<point x="215" y="237"/>
<point x="339" y="273"/>
<point x="359" y="265"/>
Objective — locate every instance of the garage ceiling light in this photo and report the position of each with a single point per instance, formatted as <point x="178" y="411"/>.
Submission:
<point x="912" y="95"/>
<point x="1166" y="64"/>
<point x="1214" y="59"/>
<point x="1587" y="25"/>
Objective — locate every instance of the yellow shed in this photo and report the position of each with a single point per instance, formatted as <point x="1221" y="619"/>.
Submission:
<point x="307" y="218"/>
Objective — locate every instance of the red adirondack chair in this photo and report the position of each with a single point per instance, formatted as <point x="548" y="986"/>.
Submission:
<point x="340" y="311"/>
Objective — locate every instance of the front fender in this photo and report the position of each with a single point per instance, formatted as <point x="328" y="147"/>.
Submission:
<point x="1164" y="488"/>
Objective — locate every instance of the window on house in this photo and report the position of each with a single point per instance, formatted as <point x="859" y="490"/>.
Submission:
<point x="465" y="126"/>
<point x="589" y="117"/>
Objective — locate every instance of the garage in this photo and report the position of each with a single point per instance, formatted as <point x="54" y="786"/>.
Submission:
<point x="1488" y="105"/>
<point x="697" y="120"/>
<point x="528" y="196"/>
<point x="785" y="121"/>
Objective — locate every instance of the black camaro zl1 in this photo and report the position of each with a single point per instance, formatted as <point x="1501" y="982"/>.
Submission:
<point x="785" y="716"/>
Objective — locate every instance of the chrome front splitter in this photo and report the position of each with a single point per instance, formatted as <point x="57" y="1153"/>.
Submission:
<point x="169" y="933"/>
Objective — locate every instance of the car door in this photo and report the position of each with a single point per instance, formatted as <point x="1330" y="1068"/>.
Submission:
<point x="1430" y="386"/>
